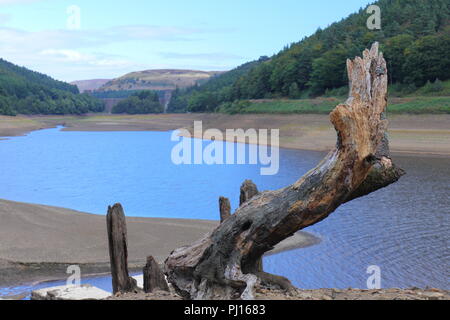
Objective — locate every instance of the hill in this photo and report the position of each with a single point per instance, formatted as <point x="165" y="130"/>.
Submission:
<point x="158" y="80"/>
<point x="89" y="85"/>
<point x="219" y="87"/>
<point x="28" y="92"/>
<point x="415" y="38"/>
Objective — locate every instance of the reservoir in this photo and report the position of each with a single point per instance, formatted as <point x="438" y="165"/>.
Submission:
<point x="403" y="229"/>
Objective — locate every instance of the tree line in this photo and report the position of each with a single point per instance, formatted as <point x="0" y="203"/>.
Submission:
<point x="23" y="91"/>
<point x="142" y="102"/>
<point x="415" y="38"/>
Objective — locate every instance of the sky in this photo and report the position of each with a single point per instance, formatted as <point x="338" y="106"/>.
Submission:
<point x="99" y="39"/>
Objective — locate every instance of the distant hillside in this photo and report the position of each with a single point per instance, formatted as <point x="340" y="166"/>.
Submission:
<point x="219" y="86"/>
<point x="28" y="92"/>
<point x="415" y="38"/>
<point x="158" y="80"/>
<point x="89" y="85"/>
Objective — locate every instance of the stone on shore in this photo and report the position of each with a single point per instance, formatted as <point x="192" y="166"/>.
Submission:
<point x="83" y="292"/>
<point x="140" y="281"/>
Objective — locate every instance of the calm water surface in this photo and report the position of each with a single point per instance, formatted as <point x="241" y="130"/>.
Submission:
<point x="403" y="229"/>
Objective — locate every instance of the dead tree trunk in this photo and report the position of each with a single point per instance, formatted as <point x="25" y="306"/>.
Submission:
<point x="248" y="191"/>
<point x="118" y="252"/>
<point x="224" y="264"/>
<point x="225" y="208"/>
<point x="154" y="278"/>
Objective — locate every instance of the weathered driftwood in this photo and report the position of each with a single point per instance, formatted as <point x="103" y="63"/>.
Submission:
<point x="248" y="191"/>
<point x="224" y="264"/>
<point x="154" y="278"/>
<point x="118" y="251"/>
<point x="225" y="208"/>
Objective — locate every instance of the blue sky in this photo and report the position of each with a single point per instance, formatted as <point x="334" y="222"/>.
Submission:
<point x="117" y="37"/>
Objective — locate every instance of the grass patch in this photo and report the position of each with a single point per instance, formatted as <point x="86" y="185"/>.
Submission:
<point x="410" y="105"/>
<point x="421" y="105"/>
<point x="315" y="106"/>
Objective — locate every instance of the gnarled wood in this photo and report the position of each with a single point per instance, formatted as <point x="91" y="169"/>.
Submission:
<point x="224" y="264"/>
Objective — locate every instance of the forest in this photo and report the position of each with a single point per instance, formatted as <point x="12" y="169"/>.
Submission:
<point x="415" y="39"/>
<point x="23" y="91"/>
<point x="142" y="102"/>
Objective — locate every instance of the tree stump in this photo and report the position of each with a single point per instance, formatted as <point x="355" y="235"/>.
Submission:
<point x="154" y="278"/>
<point x="118" y="252"/>
<point x="225" y="208"/>
<point x="224" y="264"/>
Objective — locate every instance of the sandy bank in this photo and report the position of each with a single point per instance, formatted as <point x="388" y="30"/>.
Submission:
<point x="318" y="295"/>
<point x="39" y="242"/>
<point x="409" y="134"/>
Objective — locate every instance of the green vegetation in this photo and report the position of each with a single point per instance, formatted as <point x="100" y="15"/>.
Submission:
<point x="413" y="105"/>
<point x="142" y="102"/>
<point x="421" y="105"/>
<point x="119" y="94"/>
<point x="217" y="89"/>
<point x="279" y="106"/>
<point x="415" y="38"/>
<point x="23" y="91"/>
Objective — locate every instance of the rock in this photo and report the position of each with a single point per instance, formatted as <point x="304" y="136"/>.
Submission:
<point x="83" y="292"/>
<point x="433" y="295"/>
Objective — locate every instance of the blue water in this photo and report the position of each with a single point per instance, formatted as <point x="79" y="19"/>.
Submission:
<point x="103" y="283"/>
<point x="403" y="229"/>
<point x="88" y="171"/>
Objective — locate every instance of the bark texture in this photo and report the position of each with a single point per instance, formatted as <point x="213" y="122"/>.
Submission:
<point x="225" y="208"/>
<point x="224" y="264"/>
<point x="248" y="191"/>
<point x="154" y="278"/>
<point x="118" y="250"/>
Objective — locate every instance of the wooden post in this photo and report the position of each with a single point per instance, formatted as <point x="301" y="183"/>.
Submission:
<point x="225" y="208"/>
<point x="118" y="252"/>
<point x="154" y="278"/>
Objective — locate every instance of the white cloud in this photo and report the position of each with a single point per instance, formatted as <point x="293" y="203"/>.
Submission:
<point x="73" y="56"/>
<point x="77" y="54"/>
<point x="16" y="38"/>
<point x="67" y="54"/>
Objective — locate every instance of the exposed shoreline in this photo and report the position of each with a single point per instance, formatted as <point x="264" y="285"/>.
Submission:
<point x="414" y="135"/>
<point x="38" y="243"/>
<point x="58" y="237"/>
